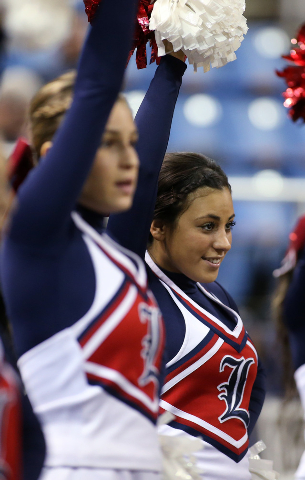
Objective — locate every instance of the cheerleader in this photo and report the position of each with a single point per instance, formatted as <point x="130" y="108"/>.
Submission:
<point x="214" y="383"/>
<point x="22" y="446"/>
<point x="88" y="332"/>
<point x="289" y="309"/>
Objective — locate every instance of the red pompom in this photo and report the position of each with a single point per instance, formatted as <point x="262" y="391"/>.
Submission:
<point x="91" y="7"/>
<point x="294" y="76"/>
<point x="143" y="36"/>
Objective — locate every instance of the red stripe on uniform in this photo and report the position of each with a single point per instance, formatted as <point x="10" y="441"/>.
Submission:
<point x="123" y="394"/>
<point x="105" y="315"/>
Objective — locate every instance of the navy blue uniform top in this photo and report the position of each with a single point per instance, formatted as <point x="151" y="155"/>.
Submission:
<point x="131" y="228"/>
<point x="47" y="274"/>
<point x="294" y="313"/>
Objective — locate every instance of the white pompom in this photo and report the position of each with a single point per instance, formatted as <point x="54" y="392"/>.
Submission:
<point x="207" y="31"/>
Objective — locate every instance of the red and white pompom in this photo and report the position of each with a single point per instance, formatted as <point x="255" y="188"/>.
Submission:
<point x="294" y="76"/>
<point x="207" y="31"/>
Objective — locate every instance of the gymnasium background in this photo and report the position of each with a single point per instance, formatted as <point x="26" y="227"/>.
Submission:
<point x="235" y="115"/>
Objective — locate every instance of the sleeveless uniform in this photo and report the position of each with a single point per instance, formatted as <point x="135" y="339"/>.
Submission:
<point x="209" y="383"/>
<point x="84" y="424"/>
<point x="87" y="331"/>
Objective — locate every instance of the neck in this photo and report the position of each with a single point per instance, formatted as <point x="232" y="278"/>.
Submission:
<point x="95" y="219"/>
<point x="158" y="253"/>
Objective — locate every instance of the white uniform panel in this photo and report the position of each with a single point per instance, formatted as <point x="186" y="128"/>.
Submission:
<point x="94" y="421"/>
<point x="92" y="474"/>
<point x="299" y="376"/>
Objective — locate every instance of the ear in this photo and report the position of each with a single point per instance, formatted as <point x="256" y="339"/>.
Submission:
<point x="157" y="230"/>
<point x="45" y="147"/>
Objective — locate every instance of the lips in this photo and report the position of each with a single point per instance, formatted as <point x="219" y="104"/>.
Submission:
<point x="213" y="261"/>
<point x="126" y="186"/>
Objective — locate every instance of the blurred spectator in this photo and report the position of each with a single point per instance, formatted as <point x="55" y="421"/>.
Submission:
<point x="34" y="43"/>
<point x="16" y="90"/>
<point x="22" y="446"/>
<point x="30" y="24"/>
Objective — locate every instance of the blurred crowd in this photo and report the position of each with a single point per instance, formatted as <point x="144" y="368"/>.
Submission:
<point x="33" y="52"/>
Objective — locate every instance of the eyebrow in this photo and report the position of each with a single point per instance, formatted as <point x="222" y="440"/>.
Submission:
<point x="116" y="133"/>
<point x="215" y="217"/>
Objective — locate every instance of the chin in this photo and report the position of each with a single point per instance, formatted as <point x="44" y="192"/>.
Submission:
<point x="119" y="206"/>
<point x="207" y="278"/>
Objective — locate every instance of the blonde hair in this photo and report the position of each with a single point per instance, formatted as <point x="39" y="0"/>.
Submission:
<point x="277" y="304"/>
<point x="48" y="108"/>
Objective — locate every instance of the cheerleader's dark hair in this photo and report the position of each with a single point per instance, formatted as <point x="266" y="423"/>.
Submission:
<point x="181" y="174"/>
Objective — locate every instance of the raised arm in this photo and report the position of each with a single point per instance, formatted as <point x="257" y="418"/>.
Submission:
<point x="52" y="189"/>
<point x="153" y="120"/>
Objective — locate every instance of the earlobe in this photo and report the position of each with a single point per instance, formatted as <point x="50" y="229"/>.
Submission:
<point x="157" y="230"/>
<point x="45" y="147"/>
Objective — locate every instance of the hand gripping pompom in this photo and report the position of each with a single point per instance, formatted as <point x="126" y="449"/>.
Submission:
<point x="294" y="76"/>
<point x="207" y="31"/>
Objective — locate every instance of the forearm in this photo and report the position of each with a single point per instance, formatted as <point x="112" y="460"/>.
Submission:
<point x="153" y="120"/>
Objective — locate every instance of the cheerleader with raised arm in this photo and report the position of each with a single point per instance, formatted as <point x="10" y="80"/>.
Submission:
<point x="214" y="385"/>
<point x="87" y="331"/>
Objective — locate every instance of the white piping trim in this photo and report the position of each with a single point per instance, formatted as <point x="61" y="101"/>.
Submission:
<point x="102" y="296"/>
<point x="253" y="348"/>
<point x="193" y="367"/>
<point x="116" y="377"/>
<point x="187" y="416"/>
<point x="201" y="330"/>
<point x="117" y="251"/>
<point x="111" y="323"/>
<point x="237" y="330"/>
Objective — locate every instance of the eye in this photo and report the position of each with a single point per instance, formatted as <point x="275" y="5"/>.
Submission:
<point x="230" y="225"/>
<point x="108" y="143"/>
<point x="208" y="227"/>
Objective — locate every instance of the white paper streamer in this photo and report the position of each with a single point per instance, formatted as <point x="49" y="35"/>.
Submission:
<point x="259" y="468"/>
<point x="178" y="454"/>
<point x="207" y="31"/>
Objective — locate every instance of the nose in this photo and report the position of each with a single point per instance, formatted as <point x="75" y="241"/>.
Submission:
<point x="129" y="158"/>
<point x="222" y="240"/>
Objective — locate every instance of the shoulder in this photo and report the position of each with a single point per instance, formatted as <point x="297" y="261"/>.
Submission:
<point x="216" y="289"/>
